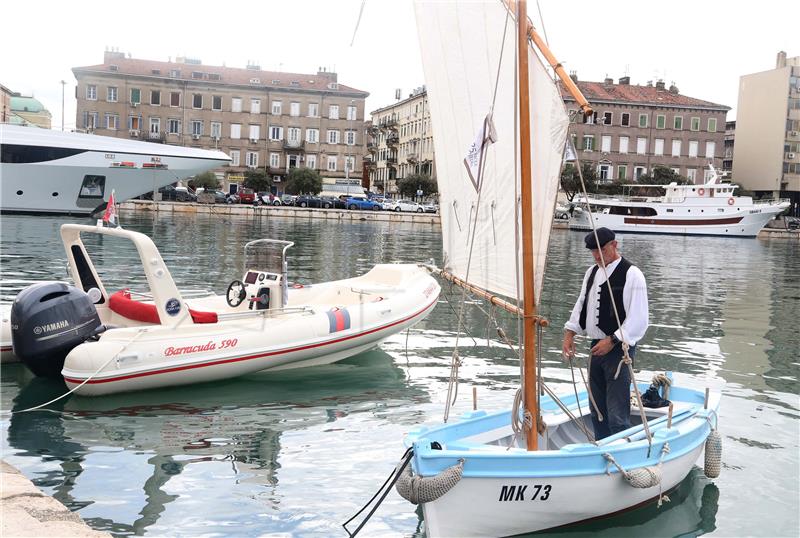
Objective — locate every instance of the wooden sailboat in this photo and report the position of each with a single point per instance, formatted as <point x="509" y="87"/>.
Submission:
<point x="484" y="475"/>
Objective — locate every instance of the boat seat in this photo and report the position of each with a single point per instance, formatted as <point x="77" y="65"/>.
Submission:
<point x="122" y="304"/>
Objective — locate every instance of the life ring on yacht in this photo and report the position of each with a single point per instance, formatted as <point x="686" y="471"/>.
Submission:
<point x="731" y="201"/>
<point x="701" y="192"/>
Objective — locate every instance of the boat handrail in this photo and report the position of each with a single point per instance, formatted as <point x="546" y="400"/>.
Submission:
<point x="186" y="294"/>
<point x="770" y="201"/>
<point x="269" y="312"/>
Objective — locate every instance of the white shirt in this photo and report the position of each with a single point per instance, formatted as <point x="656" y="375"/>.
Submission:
<point x="634" y="298"/>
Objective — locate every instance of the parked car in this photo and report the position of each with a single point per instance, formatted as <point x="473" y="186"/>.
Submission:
<point x="220" y="197"/>
<point x="268" y="198"/>
<point x="361" y="202"/>
<point x="172" y="194"/>
<point x="307" y="201"/>
<point x="247" y="196"/>
<point x="232" y="198"/>
<point x="288" y="199"/>
<point x="332" y="202"/>
<point x="430" y="207"/>
<point x="405" y="205"/>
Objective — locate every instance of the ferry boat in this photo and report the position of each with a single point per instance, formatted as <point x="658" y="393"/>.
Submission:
<point x="708" y="209"/>
<point x="54" y="172"/>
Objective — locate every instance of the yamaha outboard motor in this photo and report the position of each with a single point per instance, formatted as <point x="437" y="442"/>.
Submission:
<point x="48" y="320"/>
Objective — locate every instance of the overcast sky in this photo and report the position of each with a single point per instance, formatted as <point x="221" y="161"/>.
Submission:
<point x="704" y="46"/>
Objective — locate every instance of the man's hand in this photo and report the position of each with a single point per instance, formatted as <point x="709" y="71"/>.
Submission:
<point x="568" y="346"/>
<point x="603" y="347"/>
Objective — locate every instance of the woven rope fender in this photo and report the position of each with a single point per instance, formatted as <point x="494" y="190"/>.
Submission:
<point x="713" y="454"/>
<point x="417" y="489"/>
<point x="643" y="477"/>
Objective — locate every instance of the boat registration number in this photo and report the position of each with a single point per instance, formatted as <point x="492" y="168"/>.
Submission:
<point x="538" y="492"/>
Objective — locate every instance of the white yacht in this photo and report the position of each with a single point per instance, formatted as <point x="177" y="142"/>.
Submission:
<point x="708" y="209"/>
<point x="45" y="171"/>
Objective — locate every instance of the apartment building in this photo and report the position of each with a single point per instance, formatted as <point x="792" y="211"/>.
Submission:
<point x="766" y="157"/>
<point x="635" y="128"/>
<point x="400" y="142"/>
<point x="267" y="120"/>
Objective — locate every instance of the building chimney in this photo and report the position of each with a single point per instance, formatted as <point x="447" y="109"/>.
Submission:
<point x="608" y="81"/>
<point x="625" y="80"/>
<point x="649" y="83"/>
<point x="660" y="86"/>
<point x="781" y="61"/>
<point x="330" y="75"/>
<point x="114" y="54"/>
<point x="574" y="76"/>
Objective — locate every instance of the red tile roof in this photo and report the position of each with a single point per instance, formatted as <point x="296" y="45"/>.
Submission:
<point x="228" y="75"/>
<point x="629" y="93"/>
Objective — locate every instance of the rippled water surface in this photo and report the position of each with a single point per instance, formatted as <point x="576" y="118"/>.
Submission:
<point x="296" y="453"/>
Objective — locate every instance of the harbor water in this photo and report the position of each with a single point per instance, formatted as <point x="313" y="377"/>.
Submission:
<point x="296" y="453"/>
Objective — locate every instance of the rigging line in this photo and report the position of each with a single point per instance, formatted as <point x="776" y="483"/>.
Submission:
<point x="541" y="19"/>
<point x="361" y="11"/>
<point x="481" y="171"/>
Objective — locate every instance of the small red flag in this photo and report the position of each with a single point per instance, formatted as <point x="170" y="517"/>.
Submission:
<point x="110" y="216"/>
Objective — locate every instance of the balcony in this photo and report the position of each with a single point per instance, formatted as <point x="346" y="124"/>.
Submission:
<point x="294" y="145"/>
<point x="157" y="137"/>
<point x="133" y="133"/>
<point x="372" y="147"/>
<point x="392" y="140"/>
<point x="412" y="157"/>
<point x="391" y="161"/>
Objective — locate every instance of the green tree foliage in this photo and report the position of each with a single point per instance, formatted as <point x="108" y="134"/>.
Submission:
<point x="206" y="180"/>
<point x="571" y="181"/>
<point x="257" y="180"/>
<point x="662" y="175"/>
<point x="303" y="181"/>
<point x="409" y="185"/>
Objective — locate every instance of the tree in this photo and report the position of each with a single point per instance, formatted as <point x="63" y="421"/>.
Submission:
<point x="257" y="180"/>
<point x="303" y="181"/>
<point x="571" y="180"/>
<point x="206" y="180"/>
<point x="408" y="186"/>
<point x="662" y="175"/>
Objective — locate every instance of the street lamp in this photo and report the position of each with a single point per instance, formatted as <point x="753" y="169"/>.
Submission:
<point x="63" y="85"/>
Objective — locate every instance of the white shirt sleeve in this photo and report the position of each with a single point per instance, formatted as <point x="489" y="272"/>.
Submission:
<point x="637" y="316"/>
<point x="574" y="322"/>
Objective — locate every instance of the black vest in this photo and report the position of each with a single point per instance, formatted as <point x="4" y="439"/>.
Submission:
<point x="606" y="321"/>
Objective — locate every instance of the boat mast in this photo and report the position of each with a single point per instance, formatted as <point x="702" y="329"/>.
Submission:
<point x="529" y="382"/>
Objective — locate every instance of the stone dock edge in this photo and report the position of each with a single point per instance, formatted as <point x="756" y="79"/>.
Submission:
<point x="26" y="511"/>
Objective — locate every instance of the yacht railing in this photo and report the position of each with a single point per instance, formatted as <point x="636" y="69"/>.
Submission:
<point x="771" y="201"/>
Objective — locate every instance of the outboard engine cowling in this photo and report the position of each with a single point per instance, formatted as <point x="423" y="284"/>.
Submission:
<point x="48" y="320"/>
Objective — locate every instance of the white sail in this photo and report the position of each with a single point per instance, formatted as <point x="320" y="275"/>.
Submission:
<point x="463" y="46"/>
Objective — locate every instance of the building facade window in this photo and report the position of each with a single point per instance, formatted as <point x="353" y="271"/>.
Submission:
<point x="333" y="136"/>
<point x="641" y="145"/>
<point x="197" y="100"/>
<point x="236" y="130"/>
<point x="255" y="132"/>
<point x="197" y="128"/>
<point x="234" y="157"/>
<point x="638" y="172"/>
<point x="622" y="172"/>
<point x="691" y="174"/>
<point x="155" y="97"/>
<point x="155" y="126"/>
<point x="676" y="147"/>
<point x="350" y="138"/>
<point x="276" y="108"/>
<point x="642" y="120"/>
<point x="312" y="136"/>
<point x="711" y="148"/>
<point x="331" y="163"/>
<point x="351" y="112"/>
<point x="311" y="161"/>
<point x="90" y="120"/>
<point x="275" y="133"/>
<point x="136" y="96"/>
<point x="623" y="144"/>
<point x="91" y="92"/>
<point x="626" y="120"/>
<point x="216" y="102"/>
<point x="111" y="94"/>
<point x="112" y="122"/>
<point x="174" y="126"/>
<point x="275" y="160"/>
<point x="588" y="143"/>
<point x="216" y="130"/>
<point x="677" y="123"/>
<point x="333" y="112"/>
<point x="661" y="122"/>
<point x="349" y="163"/>
<point x="313" y="110"/>
<point x="695" y="125"/>
<point x="255" y="106"/>
<point x="607" y="117"/>
<point x="693" y="148"/>
<point x="174" y="98"/>
<point x="236" y="104"/>
<point x="294" y="109"/>
<point x="293" y="135"/>
<point x="604" y="172"/>
<point x="134" y="123"/>
<point x="605" y="143"/>
<point x="658" y="149"/>
<point x="712" y="125"/>
<point x="252" y="159"/>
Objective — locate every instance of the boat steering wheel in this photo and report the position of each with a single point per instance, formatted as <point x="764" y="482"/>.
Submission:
<point x="236" y="293"/>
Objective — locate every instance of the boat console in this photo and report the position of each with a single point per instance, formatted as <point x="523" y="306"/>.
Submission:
<point x="263" y="289"/>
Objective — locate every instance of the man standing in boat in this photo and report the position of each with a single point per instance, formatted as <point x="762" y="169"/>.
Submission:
<point x="593" y="316"/>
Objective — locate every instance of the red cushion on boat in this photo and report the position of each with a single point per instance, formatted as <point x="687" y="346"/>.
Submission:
<point x="122" y="304"/>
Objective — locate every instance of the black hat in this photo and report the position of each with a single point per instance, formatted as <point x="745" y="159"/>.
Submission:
<point x="604" y="235"/>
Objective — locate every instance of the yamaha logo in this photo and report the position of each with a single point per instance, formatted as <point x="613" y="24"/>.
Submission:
<point x="50" y="327"/>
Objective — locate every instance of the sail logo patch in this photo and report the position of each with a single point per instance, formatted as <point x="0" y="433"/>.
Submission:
<point x="338" y="319"/>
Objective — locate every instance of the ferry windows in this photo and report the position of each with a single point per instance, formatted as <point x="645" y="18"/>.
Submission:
<point x="659" y="147"/>
<point x="294" y="109"/>
<point x="111" y="94"/>
<point x="174" y="98"/>
<point x="712" y="125"/>
<point x="661" y="122"/>
<point x="588" y="143"/>
<point x="333" y="112"/>
<point x="276" y="108"/>
<point x="693" y="148"/>
<point x="678" y="123"/>
<point x="155" y="97"/>
<point x="641" y="145"/>
<point x="236" y="130"/>
<point x="275" y="160"/>
<point x="312" y="136"/>
<point x="197" y="100"/>
<point x="695" y="125"/>
<point x="633" y="211"/>
<point x="255" y="106"/>
<point x="331" y="163"/>
<point x="626" y="120"/>
<point x="136" y="96"/>
<point x="311" y="161"/>
<point x="252" y="159"/>
<point x="642" y="120"/>
<point x="607" y="118"/>
<point x="216" y="102"/>
<point x="91" y="92"/>
<point x="92" y="187"/>
<point x="676" y="147"/>
<point x="710" y="149"/>
<point x="622" y="172"/>
<point x="605" y="143"/>
<point x="174" y="126"/>
<point x="234" y="153"/>
<point x="623" y="144"/>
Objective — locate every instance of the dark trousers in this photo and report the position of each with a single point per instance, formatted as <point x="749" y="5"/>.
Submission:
<point x="611" y="395"/>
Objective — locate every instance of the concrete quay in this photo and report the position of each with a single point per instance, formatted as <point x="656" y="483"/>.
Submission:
<point x="26" y="511"/>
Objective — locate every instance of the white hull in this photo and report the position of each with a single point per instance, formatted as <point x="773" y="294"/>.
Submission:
<point x="51" y="177"/>
<point x="571" y="499"/>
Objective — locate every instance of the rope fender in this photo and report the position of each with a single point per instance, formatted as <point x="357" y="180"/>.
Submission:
<point x="643" y="477"/>
<point x="713" y="454"/>
<point x="417" y="489"/>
